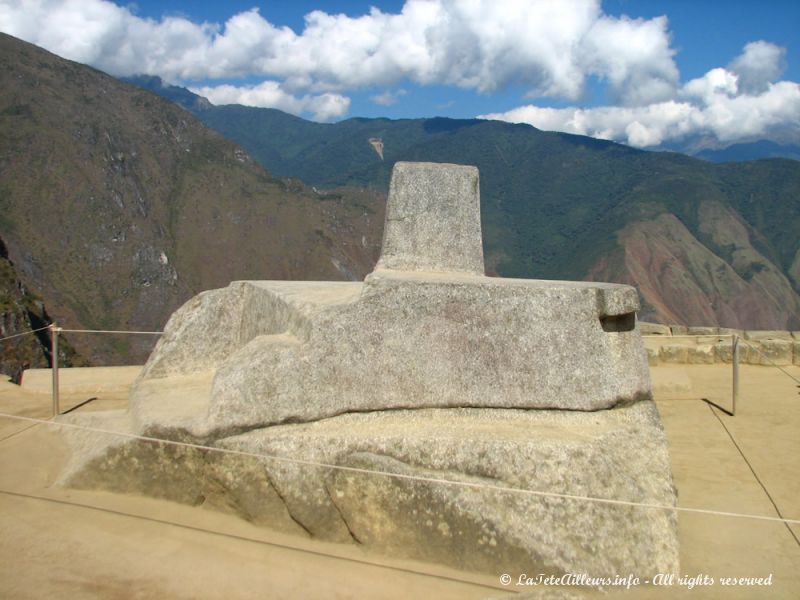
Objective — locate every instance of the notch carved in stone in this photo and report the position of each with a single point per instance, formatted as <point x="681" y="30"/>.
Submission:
<point x="618" y="323"/>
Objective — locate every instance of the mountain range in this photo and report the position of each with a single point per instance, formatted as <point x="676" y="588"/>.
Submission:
<point x="751" y="151"/>
<point x="117" y="205"/>
<point x="705" y="243"/>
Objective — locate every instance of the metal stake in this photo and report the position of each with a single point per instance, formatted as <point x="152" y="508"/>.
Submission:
<point x="54" y="329"/>
<point x="735" y="372"/>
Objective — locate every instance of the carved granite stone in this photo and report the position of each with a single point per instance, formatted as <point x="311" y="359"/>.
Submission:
<point x="429" y="370"/>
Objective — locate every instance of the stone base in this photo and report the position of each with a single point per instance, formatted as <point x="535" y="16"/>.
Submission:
<point x="438" y="378"/>
<point x="301" y="351"/>
<point x="467" y="390"/>
<point x="616" y="454"/>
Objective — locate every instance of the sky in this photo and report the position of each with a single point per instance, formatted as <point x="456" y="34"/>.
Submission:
<point x="642" y="72"/>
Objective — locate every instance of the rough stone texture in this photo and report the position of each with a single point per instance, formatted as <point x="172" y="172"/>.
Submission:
<point x="764" y="348"/>
<point x="724" y="351"/>
<point x="433" y="219"/>
<point x="760" y="336"/>
<point x="446" y="337"/>
<point x="617" y="454"/>
<point x="182" y="474"/>
<point x="427" y="369"/>
<point x="709" y="349"/>
<point x="748" y="355"/>
<point x="653" y="359"/>
<point x="701" y="355"/>
<point x="776" y="352"/>
<point x="415" y="340"/>
<point x="211" y="326"/>
<point x="654" y="329"/>
<point x="702" y="330"/>
<point x="674" y="353"/>
<point x="730" y="331"/>
<point x="713" y="340"/>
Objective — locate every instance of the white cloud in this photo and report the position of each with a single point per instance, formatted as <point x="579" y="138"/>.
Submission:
<point x="269" y="94"/>
<point x="549" y="47"/>
<point x="727" y="118"/>
<point x="389" y="97"/>
<point x="107" y="36"/>
<point x="760" y="64"/>
<point x="717" y="104"/>
<point x="711" y="86"/>
<point x="637" y="126"/>
<point x="326" y="107"/>
<point x="635" y="57"/>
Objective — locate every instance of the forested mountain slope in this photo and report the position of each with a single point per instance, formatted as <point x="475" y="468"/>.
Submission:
<point x="705" y="243"/>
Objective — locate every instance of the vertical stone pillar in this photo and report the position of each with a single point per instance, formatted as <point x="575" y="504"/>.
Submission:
<point x="433" y="219"/>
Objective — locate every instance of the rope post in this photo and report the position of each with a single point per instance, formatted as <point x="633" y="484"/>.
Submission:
<point x="54" y="329"/>
<point x="735" y="352"/>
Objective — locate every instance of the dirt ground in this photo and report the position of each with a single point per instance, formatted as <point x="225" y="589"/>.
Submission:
<point x="63" y="543"/>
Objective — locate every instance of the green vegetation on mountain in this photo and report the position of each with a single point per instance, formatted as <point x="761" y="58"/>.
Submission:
<point x="750" y="151"/>
<point x="116" y="205"/>
<point x="554" y="205"/>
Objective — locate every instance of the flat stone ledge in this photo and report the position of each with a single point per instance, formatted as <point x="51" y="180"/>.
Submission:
<point x="707" y="345"/>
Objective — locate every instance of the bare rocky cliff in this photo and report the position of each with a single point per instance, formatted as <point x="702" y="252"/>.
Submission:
<point x="117" y="206"/>
<point x="23" y="315"/>
<point x="682" y="281"/>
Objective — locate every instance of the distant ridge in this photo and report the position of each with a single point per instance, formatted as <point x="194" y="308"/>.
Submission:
<point x="707" y="244"/>
<point x="751" y="151"/>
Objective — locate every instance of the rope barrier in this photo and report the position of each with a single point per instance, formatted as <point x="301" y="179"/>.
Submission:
<point x="60" y="330"/>
<point x="16" y="335"/>
<point x="363" y="471"/>
<point x="398" y="475"/>
<point x="695" y="335"/>
<point x="110" y="331"/>
<point x="54" y="331"/>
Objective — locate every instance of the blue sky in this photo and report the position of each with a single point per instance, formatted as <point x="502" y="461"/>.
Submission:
<point x="638" y="71"/>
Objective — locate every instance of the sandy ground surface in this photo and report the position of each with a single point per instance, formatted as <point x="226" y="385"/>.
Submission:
<point x="61" y="543"/>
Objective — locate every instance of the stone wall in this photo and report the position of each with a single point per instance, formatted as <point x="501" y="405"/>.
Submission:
<point x="667" y="344"/>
